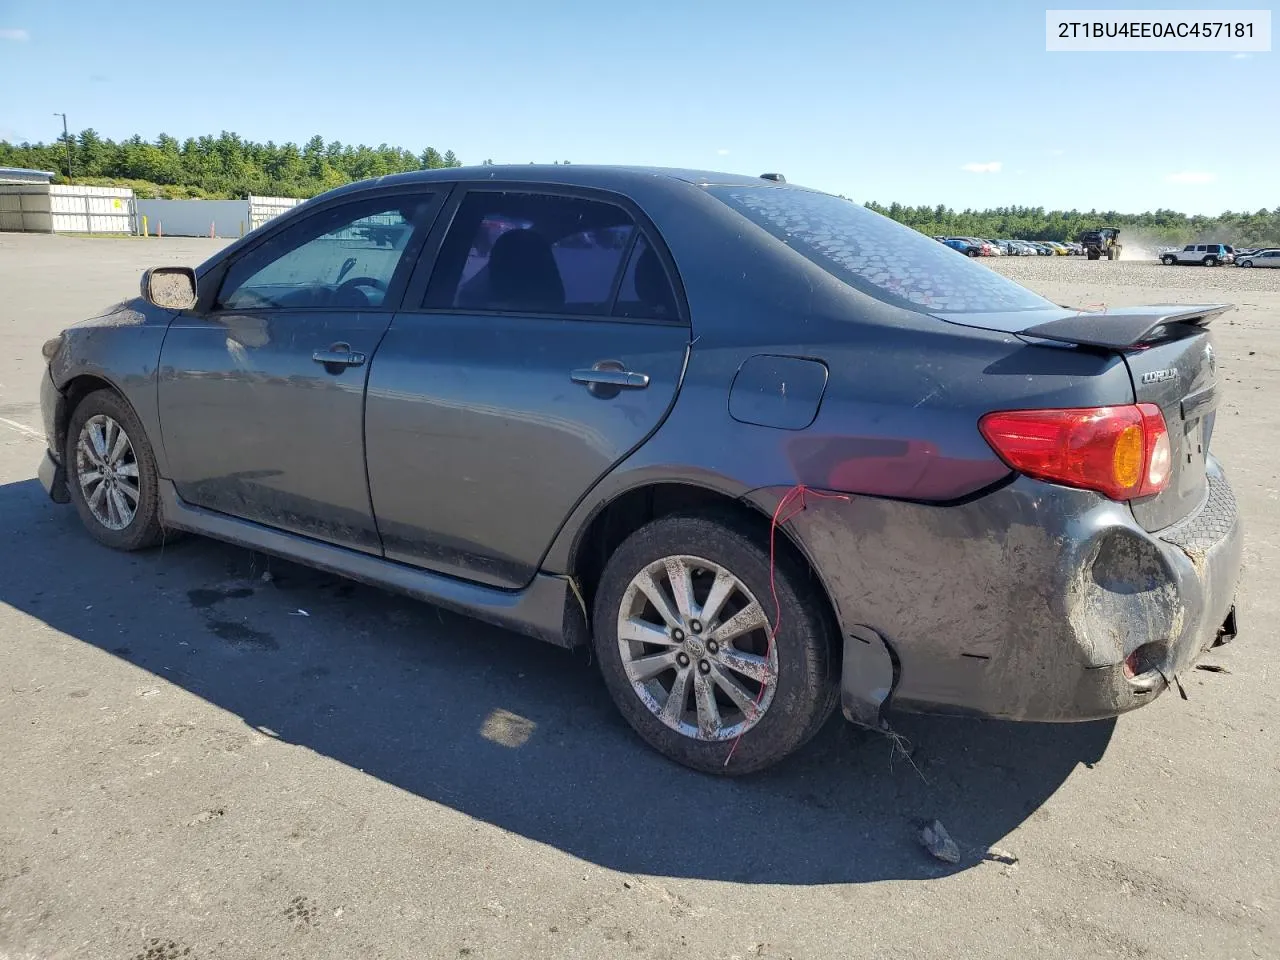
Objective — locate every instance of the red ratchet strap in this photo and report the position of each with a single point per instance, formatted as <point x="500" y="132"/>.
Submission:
<point x="795" y="500"/>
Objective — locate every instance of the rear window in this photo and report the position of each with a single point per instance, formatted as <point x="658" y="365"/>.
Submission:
<point x="876" y="255"/>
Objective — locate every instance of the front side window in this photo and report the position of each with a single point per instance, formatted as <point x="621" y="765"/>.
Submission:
<point x="515" y="252"/>
<point x="345" y="257"/>
<point x="876" y="255"/>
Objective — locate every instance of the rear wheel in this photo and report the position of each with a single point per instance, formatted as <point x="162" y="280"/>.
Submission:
<point x="683" y="630"/>
<point x="1210" y="261"/>
<point x="1093" y="254"/>
<point x="111" y="473"/>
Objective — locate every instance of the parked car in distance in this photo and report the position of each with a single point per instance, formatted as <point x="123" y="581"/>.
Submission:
<point x="967" y="245"/>
<point x="692" y="420"/>
<point x="1259" y="258"/>
<point x="1206" y="254"/>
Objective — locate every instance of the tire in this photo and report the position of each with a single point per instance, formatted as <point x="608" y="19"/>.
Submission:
<point x="804" y="690"/>
<point x="1093" y="254"/>
<point x="974" y="253"/>
<point x="1210" y="261"/>
<point x="1246" y="263"/>
<point x="1168" y="261"/>
<point x="100" y="410"/>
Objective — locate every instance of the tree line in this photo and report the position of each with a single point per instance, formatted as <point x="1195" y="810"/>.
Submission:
<point x="228" y="166"/>
<point x="222" y="167"/>
<point x="1261" y="228"/>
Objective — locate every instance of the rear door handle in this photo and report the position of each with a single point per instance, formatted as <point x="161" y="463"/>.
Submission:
<point x="339" y="355"/>
<point x="610" y="377"/>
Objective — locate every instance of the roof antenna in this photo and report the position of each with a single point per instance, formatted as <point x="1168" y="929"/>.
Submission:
<point x="775" y="177"/>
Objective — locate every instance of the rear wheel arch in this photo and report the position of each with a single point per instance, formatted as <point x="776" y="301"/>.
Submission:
<point x="615" y="521"/>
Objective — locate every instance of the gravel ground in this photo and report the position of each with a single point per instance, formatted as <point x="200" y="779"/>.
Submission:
<point x="195" y="769"/>
<point x="1138" y="275"/>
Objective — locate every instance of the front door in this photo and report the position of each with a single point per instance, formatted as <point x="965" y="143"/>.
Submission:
<point x="550" y="343"/>
<point x="262" y="393"/>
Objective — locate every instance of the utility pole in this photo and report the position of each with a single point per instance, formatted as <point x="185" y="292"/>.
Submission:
<point x="66" y="139"/>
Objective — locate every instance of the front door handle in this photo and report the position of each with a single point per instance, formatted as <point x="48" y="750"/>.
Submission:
<point x="339" y="355"/>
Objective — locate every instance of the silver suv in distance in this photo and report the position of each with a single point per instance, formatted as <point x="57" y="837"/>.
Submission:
<point x="1208" y="254"/>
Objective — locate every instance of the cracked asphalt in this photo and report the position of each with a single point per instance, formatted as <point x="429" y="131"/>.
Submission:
<point x="206" y="753"/>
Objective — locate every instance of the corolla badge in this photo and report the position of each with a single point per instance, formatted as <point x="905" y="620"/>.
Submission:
<point x="1159" y="376"/>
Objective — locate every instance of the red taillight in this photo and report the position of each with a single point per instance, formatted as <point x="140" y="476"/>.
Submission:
<point x="1122" y="452"/>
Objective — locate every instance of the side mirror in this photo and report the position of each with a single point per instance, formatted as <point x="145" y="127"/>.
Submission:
<point x="173" y="288"/>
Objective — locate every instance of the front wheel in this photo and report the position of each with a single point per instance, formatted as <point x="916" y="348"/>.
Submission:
<point x="683" y="628"/>
<point x="1246" y="263"/>
<point x="111" y="473"/>
<point x="1168" y="261"/>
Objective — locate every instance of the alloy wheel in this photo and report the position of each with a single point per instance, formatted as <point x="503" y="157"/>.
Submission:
<point x="697" y="647"/>
<point x="107" y="469"/>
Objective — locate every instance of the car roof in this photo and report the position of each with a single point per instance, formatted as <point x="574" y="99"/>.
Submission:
<point x="606" y="177"/>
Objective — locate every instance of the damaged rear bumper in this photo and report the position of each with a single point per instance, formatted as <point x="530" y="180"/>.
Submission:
<point x="1025" y="604"/>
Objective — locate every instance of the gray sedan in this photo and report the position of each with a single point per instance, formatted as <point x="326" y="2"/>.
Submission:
<point x="765" y="450"/>
<point x="1262" y="258"/>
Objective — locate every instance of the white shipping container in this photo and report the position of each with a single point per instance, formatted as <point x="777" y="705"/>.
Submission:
<point x="262" y="209"/>
<point x="66" y="208"/>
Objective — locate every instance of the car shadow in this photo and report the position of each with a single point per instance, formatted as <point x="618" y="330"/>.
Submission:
<point x="516" y="733"/>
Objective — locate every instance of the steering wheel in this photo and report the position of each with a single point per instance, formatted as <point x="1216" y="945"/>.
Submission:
<point x="347" y="286"/>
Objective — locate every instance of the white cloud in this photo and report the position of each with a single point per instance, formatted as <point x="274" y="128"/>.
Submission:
<point x="992" y="166"/>
<point x="1240" y="56"/>
<point x="12" y="33"/>
<point x="1191" y="176"/>
<point x="722" y="152"/>
<point x="1055" y="151"/>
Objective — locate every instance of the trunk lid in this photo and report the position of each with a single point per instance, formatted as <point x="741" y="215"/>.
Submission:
<point x="1171" y="362"/>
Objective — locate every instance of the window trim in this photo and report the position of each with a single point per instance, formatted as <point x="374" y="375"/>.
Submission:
<point x="429" y="256"/>
<point x="212" y="287"/>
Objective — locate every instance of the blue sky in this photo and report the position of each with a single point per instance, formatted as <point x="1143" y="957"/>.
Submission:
<point x="876" y="101"/>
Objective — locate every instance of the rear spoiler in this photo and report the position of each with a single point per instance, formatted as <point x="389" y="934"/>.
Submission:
<point x="1124" y="327"/>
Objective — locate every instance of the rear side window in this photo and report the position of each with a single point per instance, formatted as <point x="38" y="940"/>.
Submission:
<point x="876" y="255"/>
<point x="646" y="292"/>
<point x="514" y="252"/>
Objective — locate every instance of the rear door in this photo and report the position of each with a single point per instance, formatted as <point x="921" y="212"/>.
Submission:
<point x="261" y="389"/>
<point x="544" y="341"/>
